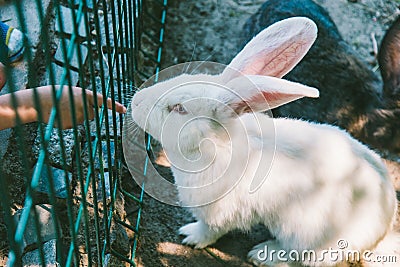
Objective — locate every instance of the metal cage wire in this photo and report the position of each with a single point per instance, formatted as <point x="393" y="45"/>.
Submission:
<point x="107" y="49"/>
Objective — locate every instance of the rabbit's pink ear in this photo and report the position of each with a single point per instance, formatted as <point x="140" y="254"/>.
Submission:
<point x="276" y="50"/>
<point x="254" y="93"/>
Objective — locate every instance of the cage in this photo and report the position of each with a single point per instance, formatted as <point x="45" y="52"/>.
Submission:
<point x="62" y="199"/>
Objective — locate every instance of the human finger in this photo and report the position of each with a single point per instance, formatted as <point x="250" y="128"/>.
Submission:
<point x="118" y="106"/>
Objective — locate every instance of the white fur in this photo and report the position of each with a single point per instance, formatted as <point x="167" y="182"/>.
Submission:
<point x="310" y="184"/>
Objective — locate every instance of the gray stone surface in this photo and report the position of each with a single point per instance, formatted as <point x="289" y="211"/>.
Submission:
<point x="58" y="178"/>
<point x="58" y="71"/>
<point x="104" y="156"/>
<point x="100" y="187"/>
<point x="110" y="124"/>
<point x="54" y="147"/>
<point x="68" y="23"/>
<point x="74" y="60"/>
<point x="47" y="223"/>
<point x="32" y="258"/>
<point x="112" y="261"/>
<point x="107" y="259"/>
<point x="103" y="31"/>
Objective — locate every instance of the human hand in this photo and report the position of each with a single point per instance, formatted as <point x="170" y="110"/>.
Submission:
<point x="45" y="93"/>
<point x="28" y="113"/>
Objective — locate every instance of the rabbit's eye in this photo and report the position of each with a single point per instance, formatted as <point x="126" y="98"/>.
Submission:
<point x="179" y="109"/>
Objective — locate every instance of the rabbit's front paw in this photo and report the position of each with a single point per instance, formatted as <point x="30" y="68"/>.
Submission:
<point x="198" y="234"/>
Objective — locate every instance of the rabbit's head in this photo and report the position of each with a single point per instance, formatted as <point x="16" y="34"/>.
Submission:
<point x="198" y="106"/>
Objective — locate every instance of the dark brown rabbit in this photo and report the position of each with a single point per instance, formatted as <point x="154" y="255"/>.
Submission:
<point x="351" y="95"/>
<point x="389" y="62"/>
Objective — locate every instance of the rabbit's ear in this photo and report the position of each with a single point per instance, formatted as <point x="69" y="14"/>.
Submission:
<point x="276" y="50"/>
<point x="254" y="93"/>
<point x="389" y="61"/>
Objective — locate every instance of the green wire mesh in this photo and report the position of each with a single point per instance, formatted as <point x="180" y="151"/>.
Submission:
<point x="64" y="191"/>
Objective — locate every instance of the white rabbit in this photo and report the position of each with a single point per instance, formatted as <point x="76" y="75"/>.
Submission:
<point x="311" y="184"/>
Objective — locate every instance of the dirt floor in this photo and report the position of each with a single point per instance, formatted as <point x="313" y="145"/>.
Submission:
<point x="211" y="30"/>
